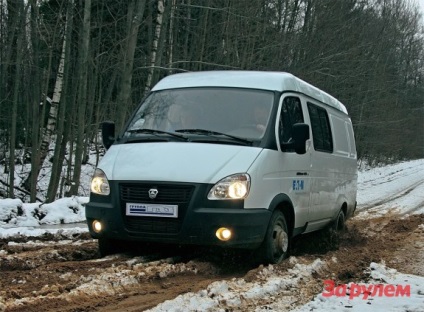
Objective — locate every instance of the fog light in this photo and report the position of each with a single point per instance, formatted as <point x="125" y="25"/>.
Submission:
<point x="97" y="226"/>
<point x="223" y="234"/>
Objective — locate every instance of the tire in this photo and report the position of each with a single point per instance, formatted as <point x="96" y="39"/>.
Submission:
<point x="339" y="224"/>
<point x="108" y="246"/>
<point x="275" y="247"/>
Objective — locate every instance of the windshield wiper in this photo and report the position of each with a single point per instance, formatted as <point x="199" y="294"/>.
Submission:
<point x="210" y="132"/>
<point x="155" y="132"/>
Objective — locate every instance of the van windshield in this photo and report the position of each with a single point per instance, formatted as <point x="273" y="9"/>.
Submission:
<point x="242" y="113"/>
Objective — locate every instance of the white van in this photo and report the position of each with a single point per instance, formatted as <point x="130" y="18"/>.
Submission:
<point x="238" y="159"/>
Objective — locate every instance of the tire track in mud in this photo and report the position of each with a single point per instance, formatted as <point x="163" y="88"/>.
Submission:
<point x="401" y="173"/>
<point x="70" y="276"/>
<point x="419" y="192"/>
<point x="402" y="193"/>
<point x="409" y="178"/>
<point x="79" y="281"/>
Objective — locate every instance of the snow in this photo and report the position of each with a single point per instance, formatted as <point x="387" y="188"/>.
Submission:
<point x="379" y="273"/>
<point x="238" y="293"/>
<point x="397" y="188"/>
<point x="384" y="188"/>
<point x="18" y="218"/>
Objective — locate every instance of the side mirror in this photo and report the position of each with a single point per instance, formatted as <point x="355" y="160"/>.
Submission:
<point x="108" y="133"/>
<point x="300" y="134"/>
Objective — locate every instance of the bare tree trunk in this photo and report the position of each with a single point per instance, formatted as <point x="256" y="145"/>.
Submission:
<point x="171" y="37"/>
<point x="187" y="33"/>
<point x="54" y="107"/>
<point x="61" y="140"/>
<point x="68" y="136"/>
<point x="155" y="45"/>
<point x="293" y="16"/>
<point x="35" y="102"/>
<point x="88" y="129"/>
<point x="134" y="22"/>
<point x="203" y="39"/>
<point x="161" y="43"/>
<point x="21" y="14"/>
<point x="9" y="47"/>
<point x="82" y="99"/>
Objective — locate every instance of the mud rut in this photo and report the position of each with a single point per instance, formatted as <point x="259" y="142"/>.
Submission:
<point x="52" y="273"/>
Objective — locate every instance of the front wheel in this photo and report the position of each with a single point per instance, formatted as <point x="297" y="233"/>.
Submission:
<point x="275" y="246"/>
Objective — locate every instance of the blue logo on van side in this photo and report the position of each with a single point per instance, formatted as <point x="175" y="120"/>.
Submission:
<point x="298" y="185"/>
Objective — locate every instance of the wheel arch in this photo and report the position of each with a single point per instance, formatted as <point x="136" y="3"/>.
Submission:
<point x="341" y="204"/>
<point x="283" y="203"/>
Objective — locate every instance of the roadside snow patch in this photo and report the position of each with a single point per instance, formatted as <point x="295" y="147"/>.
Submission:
<point x="380" y="275"/>
<point x="239" y="294"/>
<point x="16" y="214"/>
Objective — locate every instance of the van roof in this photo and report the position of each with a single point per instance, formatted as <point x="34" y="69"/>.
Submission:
<point x="273" y="81"/>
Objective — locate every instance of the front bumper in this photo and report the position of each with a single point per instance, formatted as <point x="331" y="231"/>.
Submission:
<point x="196" y="224"/>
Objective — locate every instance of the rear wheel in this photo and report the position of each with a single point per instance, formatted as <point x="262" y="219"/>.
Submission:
<point x="275" y="246"/>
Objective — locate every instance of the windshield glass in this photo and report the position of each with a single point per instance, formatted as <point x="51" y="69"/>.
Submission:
<point x="244" y="113"/>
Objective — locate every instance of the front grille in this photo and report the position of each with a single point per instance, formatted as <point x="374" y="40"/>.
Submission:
<point x="167" y="194"/>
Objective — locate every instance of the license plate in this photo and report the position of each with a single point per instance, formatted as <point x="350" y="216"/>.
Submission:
<point x="152" y="210"/>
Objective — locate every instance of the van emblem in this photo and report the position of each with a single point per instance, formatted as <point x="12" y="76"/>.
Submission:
<point x="153" y="193"/>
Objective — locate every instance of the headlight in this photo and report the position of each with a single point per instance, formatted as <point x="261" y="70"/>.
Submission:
<point x="235" y="186"/>
<point x="99" y="183"/>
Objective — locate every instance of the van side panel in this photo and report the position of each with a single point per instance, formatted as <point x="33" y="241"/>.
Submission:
<point x="345" y="151"/>
<point x="333" y="174"/>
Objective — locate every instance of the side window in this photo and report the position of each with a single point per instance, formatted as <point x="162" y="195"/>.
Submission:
<point x="291" y="113"/>
<point x="321" y="130"/>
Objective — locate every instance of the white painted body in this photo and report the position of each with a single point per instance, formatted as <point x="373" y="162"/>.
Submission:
<point x="327" y="180"/>
<point x="176" y="162"/>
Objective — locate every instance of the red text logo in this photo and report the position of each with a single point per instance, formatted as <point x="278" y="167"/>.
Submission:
<point x="365" y="290"/>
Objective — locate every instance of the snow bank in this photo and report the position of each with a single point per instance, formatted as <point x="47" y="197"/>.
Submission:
<point x="14" y="213"/>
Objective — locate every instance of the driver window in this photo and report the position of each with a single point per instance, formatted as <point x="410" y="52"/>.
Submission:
<point x="291" y="113"/>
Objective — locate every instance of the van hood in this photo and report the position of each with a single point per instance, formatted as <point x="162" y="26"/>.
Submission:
<point x="176" y="162"/>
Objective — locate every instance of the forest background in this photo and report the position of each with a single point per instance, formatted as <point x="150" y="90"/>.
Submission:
<point x="68" y="65"/>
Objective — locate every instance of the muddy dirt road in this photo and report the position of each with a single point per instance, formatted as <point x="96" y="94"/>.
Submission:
<point x="52" y="273"/>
